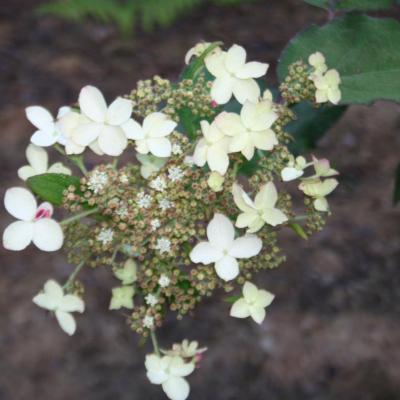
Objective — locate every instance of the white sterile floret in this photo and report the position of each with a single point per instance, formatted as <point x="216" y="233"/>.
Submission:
<point x="122" y="297"/>
<point x="54" y="299"/>
<point x="128" y="273"/>
<point x="169" y="372"/>
<point x="294" y="169"/>
<point x="185" y="349"/>
<point x="105" y="236"/>
<point x="165" y="204"/>
<point x="34" y="223"/>
<point x="48" y="132"/>
<point x="317" y="60"/>
<point x="164" y="281"/>
<point x="151" y="137"/>
<point x="151" y="300"/>
<point x="150" y="164"/>
<point x="251" y="129"/>
<point x="158" y="184"/>
<point x="212" y="148"/>
<point x="148" y="322"/>
<point x="233" y="75"/>
<point x="39" y="164"/>
<point x="260" y="211"/>
<point x="223" y="249"/>
<point x="155" y="224"/>
<point x="163" y="245"/>
<point x="318" y="190"/>
<point x="97" y="181"/>
<point x="110" y="126"/>
<point x="327" y="86"/>
<point x="144" y="200"/>
<point x="252" y="304"/>
<point x="175" y="174"/>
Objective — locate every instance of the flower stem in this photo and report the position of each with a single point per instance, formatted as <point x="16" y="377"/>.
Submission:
<point x="76" y="159"/>
<point x="78" y="216"/>
<point x="73" y="275"/>
<point x="155" y="342"/>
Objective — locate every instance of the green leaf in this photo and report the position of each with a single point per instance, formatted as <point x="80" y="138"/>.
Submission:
<point x="311" y="124"/>
<point x="365" y="51"/>
<point x="193" y="70"/>
<point x="231" y="299"/>
<point x="364" y="5"/>
<point x="298" y="229"/>
<point x="396" y="192"/>
<point x="50" y="187"/>
<point x="319" y="3"/>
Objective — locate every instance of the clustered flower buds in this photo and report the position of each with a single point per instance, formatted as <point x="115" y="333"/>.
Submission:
<point x="198" y="209"/>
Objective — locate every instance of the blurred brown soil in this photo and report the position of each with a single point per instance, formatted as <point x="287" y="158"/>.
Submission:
<point x="332" y="333"/>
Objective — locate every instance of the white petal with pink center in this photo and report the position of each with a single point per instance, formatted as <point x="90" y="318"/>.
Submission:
<point x="34" y="223"/>
<point x="223" y="249"/>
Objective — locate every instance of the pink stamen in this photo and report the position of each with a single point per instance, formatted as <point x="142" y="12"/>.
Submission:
<point x="42" y="213"/>
<point x="214" y="104"/>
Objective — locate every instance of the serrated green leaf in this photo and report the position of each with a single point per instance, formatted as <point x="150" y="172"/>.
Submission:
<point x="298" y="230"/>
<point x="311" y="124"/>
<point x="365" y="51"/>
<point x="50" y="187"/>
<point x="396" y="192"/>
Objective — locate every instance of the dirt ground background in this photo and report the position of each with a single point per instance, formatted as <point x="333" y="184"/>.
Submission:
<point x="332" y="333"/>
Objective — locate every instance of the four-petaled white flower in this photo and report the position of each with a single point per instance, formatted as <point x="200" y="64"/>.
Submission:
<point x="144" y="200"/>
<point x="322" y="168"/>
<point x="169" y="372"/>
<point x="318" y="190"/>
<point x="48" y="132"/>
<point x="151" y="300"/>
<point x="39" y="164"/>
<point x="35" y="223"/>
<point x="150" y="164"/>
<point x="108" y="126"/>
<point x="54" y="299"/>
<point x="163" y="245"/>
<point x="175" y="174"/>
<point x="327" y="87"/>
<point x="122" y="297"/>
<point x="251" y="129"/>
<point x="234" y="76"/>
<point x="252" y="304"/>
<point x="223" y="249"/>
<point x="260" y="211"/>
<point x="165" y="204"/>
<point x="151" y="137"/>
<point x="212" y="148"/>
<point x="158" y="184"/>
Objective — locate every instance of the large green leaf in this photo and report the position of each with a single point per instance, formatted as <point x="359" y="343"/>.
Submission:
<point x="50" y="187"/>
<point x="365" y="51"/>
<point x="396" y="193"/>
<point x="311" y="124"/>
<point x="364" y="5"/>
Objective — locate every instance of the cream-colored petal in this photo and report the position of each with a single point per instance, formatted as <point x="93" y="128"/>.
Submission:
<point x="240" y="309"/>
<point x="41" y="118"/>
<point x="18" y="235"/>
<point x="250" y="292"/>
<point x="245" y="247"/>
<point x="20" y="203"/>
<point x="37" y="158"/>
<point x="112" y="140"/>
<point x="215" y="63"/>
<point x="66" y="321"/>
<point x="258" y="314"/>
<point x="266" y="197"/>
<point x="246" y="89"/>
<point x="119" y="111"/>
<point x="160" y="147"/>
<point x="274" y="216"/>
<point x="92" y="104"/>
<point x="264" y="140"/>
<point x="253" y="69"/>
<point x="235" y="59"/>
<point x="59" y="168"/>
<point x="229" y="123"/>
<point x="222" y="88"/>
<point x="26" y="172"/>
<point x="205" y="253"/>
<point x="227" y="268"/>
<point x="133" y="130"/>
<point x="176" y="388"/>
<point x="86" y="133"/>
<point x="220" y="232"/>
<point x="217" y="159"/>
<point x="48" y="235"/>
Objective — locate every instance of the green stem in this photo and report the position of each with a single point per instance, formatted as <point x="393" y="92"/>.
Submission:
<point x="155" y="342"/>
<point x="76" y="159"/>
<point x="298" y="218"/>
<point x="78" y="216"/>
<point x="72" y="277"/>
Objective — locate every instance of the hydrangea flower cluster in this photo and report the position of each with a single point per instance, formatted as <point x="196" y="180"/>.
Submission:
<point x="199" y="209"/>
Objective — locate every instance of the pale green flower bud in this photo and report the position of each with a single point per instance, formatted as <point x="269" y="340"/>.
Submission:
<point x="215" y="181"/>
